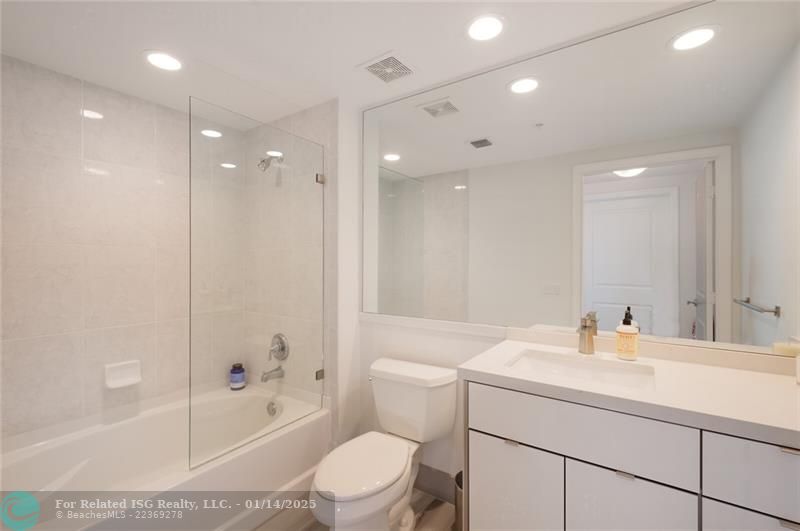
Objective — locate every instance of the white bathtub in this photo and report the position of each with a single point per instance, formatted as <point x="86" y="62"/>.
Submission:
<point x="150" y="452"/>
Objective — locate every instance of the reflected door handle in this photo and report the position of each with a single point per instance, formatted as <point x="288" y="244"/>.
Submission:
<point x="694" y="302"/>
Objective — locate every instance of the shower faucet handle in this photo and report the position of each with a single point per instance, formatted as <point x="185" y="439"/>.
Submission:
<point x="279" y="348"/>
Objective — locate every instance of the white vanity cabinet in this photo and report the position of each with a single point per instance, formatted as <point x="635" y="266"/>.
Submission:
<point x="723" y="517"/>
<point x="598" y="498"/>
<point x="513" y="486"/>
<point x="539" y="463"/>
<point x="758" y="476"/>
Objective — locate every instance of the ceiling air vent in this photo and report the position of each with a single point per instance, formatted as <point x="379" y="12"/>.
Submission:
<point x="389" y="69"/>
<point x="482" y="143"/>
<point x="439" y="108"/>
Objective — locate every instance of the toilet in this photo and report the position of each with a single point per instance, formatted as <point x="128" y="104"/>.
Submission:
<point x="366" y="483"/>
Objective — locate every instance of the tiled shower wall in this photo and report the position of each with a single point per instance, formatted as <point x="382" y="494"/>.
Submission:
<point x="96" y="248"/>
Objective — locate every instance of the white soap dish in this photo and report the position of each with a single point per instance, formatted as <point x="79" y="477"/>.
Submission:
<point x="123" y="374"/>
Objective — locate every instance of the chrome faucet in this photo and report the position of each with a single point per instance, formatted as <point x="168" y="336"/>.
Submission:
<point x="274" y="374"/>
<point x="587" y="331"/>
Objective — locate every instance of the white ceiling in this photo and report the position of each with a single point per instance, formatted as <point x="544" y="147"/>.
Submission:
<point x="270" y="59"/>
<point x="623" y="88"/>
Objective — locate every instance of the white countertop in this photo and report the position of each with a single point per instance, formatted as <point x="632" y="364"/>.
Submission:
<point x="750" y="404"/>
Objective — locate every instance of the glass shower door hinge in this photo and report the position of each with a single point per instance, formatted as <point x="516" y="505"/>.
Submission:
<point x="320" y="374"/>
<point x="320" y="178"/>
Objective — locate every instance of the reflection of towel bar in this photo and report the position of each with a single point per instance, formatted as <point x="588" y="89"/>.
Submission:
<point x="776" y="311"/>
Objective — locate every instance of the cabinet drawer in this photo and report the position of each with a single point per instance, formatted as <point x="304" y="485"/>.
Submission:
<point x="663" y="452"/>
<point x="755" y="475"/>
<point x="512" y="486"/>
<point x="723" y="517"/>
<point x="598" y="498"/>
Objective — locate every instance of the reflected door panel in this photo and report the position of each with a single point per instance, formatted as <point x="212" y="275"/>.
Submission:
<point x="631" y="258"/>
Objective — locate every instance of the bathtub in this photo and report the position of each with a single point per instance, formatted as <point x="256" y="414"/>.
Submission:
<point x="239" y="444"/>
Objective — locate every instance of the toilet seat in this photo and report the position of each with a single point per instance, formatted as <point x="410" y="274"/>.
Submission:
<point x="362" y="480"/>
<point x="362" y="467"/>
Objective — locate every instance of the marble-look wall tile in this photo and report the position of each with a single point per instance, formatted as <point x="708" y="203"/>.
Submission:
<point x="95" y="217"/>
<point x="172" y="141"/>
<point x="42" y="382"/>
<point x="172" y="355"/>
<point x="172" y="283"/>
<point x="43" y="198"/>
<point x="120" y="285"/>
<point x="120" y="203"/>
<point x="446" y="246"/>
<point x="43" y="288"/>
<point x="41" y="109"/>
<point x="126" y="133"/>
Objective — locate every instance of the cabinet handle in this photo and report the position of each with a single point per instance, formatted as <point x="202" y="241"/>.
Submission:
<point x="624" y="475"/>
<point x="510" y="442"/>
<point x="789" y="525"/>
<point x="788" y="450"/>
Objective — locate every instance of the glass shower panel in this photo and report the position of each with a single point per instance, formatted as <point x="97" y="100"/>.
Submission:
<point x="256" y="279"/>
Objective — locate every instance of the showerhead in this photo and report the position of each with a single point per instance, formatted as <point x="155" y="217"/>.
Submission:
<point x="265" y="163"/>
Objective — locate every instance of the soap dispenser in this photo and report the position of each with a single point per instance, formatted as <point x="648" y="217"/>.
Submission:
<point x="627" y="338"/>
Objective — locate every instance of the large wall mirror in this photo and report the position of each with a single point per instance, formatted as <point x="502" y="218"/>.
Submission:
<point x="656" y="167"/>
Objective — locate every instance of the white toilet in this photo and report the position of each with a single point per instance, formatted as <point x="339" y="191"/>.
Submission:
<point x="366" y="483"/>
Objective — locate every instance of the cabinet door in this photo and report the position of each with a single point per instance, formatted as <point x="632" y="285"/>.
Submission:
<point x="598" y="498"/>
<point x="723" y="517"/>
<point x="512" y="486"/>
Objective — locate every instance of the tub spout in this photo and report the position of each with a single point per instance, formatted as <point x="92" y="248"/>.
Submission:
<point x="272" y="375"/>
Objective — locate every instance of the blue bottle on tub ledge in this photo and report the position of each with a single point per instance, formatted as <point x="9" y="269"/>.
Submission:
<point x="237" y="379"/>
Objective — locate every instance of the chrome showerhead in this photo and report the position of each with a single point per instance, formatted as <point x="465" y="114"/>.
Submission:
<point x="265" y="163"/>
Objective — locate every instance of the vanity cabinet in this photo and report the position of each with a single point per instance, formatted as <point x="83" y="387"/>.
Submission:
<point x="539" y="463"/>
<point x="759" y="476"/>
<point x="598" y="498"/>
<point x="513" y="486"/>
<point x="723" y="517"/>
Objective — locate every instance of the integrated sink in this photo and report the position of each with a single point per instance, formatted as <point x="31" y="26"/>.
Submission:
<point x="597" y="368"/>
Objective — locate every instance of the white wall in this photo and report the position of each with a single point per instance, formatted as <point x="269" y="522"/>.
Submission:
<point x="770" y="208"/>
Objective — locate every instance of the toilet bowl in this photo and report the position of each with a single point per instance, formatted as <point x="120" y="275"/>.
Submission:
<point x="367" y="482"/>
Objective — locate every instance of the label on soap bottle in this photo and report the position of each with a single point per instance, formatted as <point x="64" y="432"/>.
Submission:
<point x="627" y="345"/>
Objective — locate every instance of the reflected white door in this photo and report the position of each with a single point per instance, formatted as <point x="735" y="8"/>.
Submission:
<point x="704" y="298"/>
<point x="630" y="258"/>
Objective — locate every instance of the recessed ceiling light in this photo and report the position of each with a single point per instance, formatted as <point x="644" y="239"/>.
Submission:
<point x="633" y="172"/>
<point x="524" y="85"/>
<point x="460" y="187"/>
<point x="164" y="61"/>
<point x="485" y="28"/>
<point x="92" y="115"/>
<point x="692" y="38"/>
<point x="273" y="153"/>
<point x="228" y="165"/>
<point x="95" y="171"/>
<point x="210" y="133"/>
<point x="391" y="157"/>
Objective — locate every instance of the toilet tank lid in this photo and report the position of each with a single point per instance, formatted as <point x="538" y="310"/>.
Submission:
<point x="418" y="374"/>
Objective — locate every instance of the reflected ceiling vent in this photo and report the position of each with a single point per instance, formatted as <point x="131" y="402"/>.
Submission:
<point x="388" y="69"/>
<point x="439" y="108"/>
<point x="482" y="143"/>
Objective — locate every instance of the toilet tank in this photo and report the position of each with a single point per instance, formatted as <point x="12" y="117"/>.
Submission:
<point x="413" y="400"/>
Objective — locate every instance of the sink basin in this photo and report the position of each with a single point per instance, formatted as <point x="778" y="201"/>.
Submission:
<point x="597" y="368"/>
